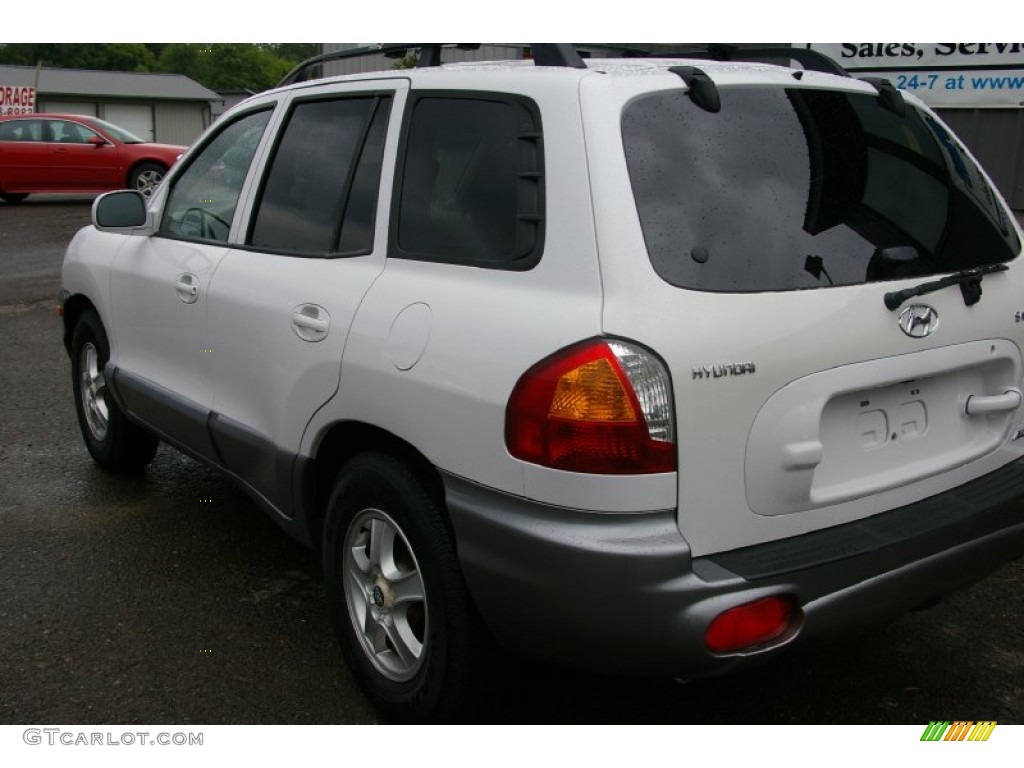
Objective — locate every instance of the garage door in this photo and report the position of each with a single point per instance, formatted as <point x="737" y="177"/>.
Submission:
<point x="70" y="107"/>
<point x="137" y="118"/>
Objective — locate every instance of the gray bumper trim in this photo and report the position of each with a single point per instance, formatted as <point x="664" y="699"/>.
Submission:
<point x="620" y="593"/>
<point x="971" y="511"/>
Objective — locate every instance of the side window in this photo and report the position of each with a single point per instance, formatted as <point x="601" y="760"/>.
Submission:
<point x="320" y="192"/>
<point x="472" y="184"/>
<point x="21" y="130"/>
<point x="202" y="201"/>
<point x="65" y="132"/>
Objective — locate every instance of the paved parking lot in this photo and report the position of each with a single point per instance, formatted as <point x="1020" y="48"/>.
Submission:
<point x="170" y="598"/>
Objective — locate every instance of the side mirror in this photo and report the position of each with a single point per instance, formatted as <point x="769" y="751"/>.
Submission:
<point x="120" y="210"/>
<point x="97" y="141"/>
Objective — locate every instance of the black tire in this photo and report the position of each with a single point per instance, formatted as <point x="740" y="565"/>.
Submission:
<point x="145" y="177"/>
<point x="115" y="443"/>
<point x="375" y="491"/>
<point x="13" y="197"/>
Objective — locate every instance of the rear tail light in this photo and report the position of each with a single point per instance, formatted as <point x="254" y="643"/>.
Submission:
<point x="752" y="624"/>
<point x="602" y="406"/>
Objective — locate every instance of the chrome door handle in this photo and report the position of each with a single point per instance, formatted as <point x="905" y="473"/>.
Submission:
<point x="187" y="288"/>
<point x="311" y="322"/>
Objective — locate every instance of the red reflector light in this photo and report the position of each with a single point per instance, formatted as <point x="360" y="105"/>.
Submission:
<point x="746" y="626"/>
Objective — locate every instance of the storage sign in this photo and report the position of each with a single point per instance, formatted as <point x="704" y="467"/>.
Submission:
<point x="940" y="74"/>
<point x="17" y="100"/>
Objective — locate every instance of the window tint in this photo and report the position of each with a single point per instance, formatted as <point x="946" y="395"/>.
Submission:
<point x="968" y="178"/>
<point x="472" y="186"/>
<point x="203" y="199"/>
<point x="361" y="210"/>
<point x="307" y="192"/>
<point x="66" y="132"/>
<point x="21" y="130"/>
<point x="794" y="188"/>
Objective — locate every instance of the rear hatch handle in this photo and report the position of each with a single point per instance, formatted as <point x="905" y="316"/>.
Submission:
<point x="980" y="404"/>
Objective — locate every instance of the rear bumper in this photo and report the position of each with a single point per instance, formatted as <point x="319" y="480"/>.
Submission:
<point x="621" y="594"/>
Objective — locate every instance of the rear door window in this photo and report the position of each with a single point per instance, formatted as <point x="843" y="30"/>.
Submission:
<point x="21" y="130"/>
<point x="793" y="188"/>
<point x="320" y="194"/>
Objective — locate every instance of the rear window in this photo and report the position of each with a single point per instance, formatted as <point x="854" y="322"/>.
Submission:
<point x="788" y="189"/>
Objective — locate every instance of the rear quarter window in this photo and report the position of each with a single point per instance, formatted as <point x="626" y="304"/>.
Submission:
<point x="472" y="183"/>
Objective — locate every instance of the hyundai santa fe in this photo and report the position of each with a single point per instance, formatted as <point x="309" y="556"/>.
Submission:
<point x="651" y="366"/>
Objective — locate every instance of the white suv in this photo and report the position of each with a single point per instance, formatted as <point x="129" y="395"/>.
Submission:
<point x="649" y="366"/>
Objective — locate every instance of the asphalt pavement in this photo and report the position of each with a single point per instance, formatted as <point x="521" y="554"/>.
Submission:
<point x="169" y="598"/>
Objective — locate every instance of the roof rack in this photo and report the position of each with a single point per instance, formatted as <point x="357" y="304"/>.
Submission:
<point x="808" y="58"/>
<point x="566" y="55"/>
<point x="544" y="55"/>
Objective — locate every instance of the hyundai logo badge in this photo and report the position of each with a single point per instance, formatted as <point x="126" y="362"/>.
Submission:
<point x="918" y="321"/>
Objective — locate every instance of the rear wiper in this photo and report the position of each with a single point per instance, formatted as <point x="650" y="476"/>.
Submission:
<point x="969" y="281"/>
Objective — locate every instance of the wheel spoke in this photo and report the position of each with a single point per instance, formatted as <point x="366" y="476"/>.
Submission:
<point x="360" y="559"/>
<point x="408" y="589"/>
<point x="356" y="574"/>
<point x="377" y="635"/>
<point x="382" y="543"/>
<point x="92" y="364"/>
<point x="359" y="600"/>
<point x="405" y="643"/>
<point x="370" y="624"/>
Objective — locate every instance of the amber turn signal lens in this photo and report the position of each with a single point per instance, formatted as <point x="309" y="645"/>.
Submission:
<point x="592" y="392"/>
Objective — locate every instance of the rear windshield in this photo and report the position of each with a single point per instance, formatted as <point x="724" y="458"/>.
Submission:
<point x="788" y="188"/>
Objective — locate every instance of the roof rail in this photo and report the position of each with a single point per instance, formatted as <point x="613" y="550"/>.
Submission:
<point x="556" y="55"/>
<point x="888" y="96"/>
<point x="544" y="55"/>
<point x="808" y="58"/>
<point x="702" y="91"/>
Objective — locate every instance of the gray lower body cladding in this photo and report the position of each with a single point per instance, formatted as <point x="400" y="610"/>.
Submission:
<point x="621" y="594"/>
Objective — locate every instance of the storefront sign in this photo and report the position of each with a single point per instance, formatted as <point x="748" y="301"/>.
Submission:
<point x="17" y="100"/>
<point x="940" y="74"/>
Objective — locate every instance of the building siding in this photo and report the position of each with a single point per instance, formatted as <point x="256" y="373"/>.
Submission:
<point x="173" y="122"/>
<point x="380" y="63"/>
<point x="178" y="123"/>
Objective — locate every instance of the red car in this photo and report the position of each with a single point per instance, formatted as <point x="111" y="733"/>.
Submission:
<point x="75" y="153"/>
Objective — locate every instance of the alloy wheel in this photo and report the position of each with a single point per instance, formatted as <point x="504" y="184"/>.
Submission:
<point x="93" y="388"/>
<point x="385" y="594"/>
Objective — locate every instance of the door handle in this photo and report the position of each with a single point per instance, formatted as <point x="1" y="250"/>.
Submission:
<point x="1008" y="401"/>
<point x="311" y="322"/>
<point x="187" y="288"/>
